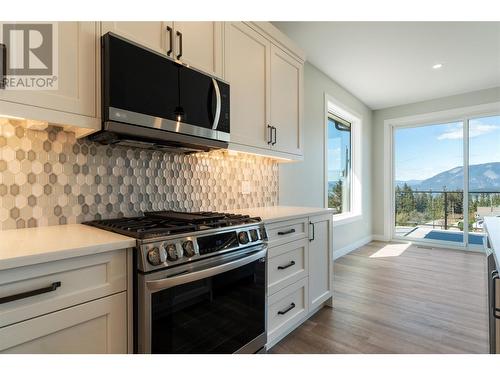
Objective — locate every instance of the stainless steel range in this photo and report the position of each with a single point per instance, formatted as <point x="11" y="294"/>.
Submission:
<point x="199" y="281"/>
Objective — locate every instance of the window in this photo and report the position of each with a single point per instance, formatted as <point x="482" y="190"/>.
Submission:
<point x="339" y="164"/>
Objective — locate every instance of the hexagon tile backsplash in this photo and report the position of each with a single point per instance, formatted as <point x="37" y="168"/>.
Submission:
<point x="49" y="177"/>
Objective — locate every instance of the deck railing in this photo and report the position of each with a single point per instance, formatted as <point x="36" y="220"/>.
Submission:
<point x="441" y="208"/>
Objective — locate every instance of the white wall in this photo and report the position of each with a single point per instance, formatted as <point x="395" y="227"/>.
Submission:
<point x="302" y="183"/>
<point x="379" y="116"/>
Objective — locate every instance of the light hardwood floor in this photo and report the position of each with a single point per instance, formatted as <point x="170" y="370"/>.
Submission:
<point x="397" y="298"/>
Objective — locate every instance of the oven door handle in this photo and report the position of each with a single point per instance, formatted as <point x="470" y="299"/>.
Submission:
<point x="169" y="282"/>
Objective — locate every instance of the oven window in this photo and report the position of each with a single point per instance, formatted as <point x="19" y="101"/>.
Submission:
<point x="219" y="314"/>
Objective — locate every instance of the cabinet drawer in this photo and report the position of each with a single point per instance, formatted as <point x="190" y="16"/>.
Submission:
<point x="287" y="231"/>
<point x="76" y="280"/>
<point x="95" y="327"/>
<point x="286" y="308"/>
<point x="287" y="264"/>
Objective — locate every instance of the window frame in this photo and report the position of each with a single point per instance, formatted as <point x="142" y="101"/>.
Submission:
<point x="454" y="114"/>
<point x="339" y="120"/>
<point x="338" y="109"/>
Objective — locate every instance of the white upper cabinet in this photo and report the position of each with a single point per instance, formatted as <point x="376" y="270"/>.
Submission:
<point x="154" y="35"/>
<point x="76" y="80"/>
<point x="198" y="44"/>
<point x="266" y="91"/>
<point x="246" y="63"/>
<point x="286" y="101"/>
<point x="201" y="44"/>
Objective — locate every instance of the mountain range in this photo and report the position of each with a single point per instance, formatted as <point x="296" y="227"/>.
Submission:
<point x="482" y="177"/>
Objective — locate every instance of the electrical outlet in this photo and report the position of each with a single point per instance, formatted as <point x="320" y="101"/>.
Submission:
<point x="245" y="187"/>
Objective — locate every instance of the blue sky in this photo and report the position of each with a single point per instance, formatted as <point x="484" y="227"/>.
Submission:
<point x="423" y="152"/>
<point x="337" y="143"/>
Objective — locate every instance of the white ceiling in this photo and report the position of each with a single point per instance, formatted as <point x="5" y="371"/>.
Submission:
<point x="390" y="63"/>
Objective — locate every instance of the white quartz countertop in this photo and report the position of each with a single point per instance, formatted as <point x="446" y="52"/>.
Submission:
<point x="22" y="247"/>
<point x="492" y="226"/>
<point x="278" y="213"/>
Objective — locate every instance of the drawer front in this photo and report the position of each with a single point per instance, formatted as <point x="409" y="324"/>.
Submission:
<point x="286" y="309"/>
<point x="75" y="281"/>
<point x="287" y="231"/>
<point x="95" y="327"/>
<point x="287" y="264"/>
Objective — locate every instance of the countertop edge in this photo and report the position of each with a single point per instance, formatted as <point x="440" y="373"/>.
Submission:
<point x="295" y="216"/>
<point x="34" y="259"/>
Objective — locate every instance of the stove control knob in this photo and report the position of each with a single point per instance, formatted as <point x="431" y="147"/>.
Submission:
<point x="172" y="252"/>
<point x="188" y="248"/>
<point x="156" y="256"/>
<point x="243" y="238"/>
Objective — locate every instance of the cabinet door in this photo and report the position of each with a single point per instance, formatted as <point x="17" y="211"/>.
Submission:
<point x="153" y="35"/>
<point x="246" y="66"/>
<point x="286" y="101"/>
<point x="94" y="327"/>
<point x="320" y="260"/>
<point x="201" y="45"/>
<point x="76" y="93"/>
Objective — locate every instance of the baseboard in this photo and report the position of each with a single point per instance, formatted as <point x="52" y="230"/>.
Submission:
<point x="379" y="237"/>
<point x="351" y="247"/>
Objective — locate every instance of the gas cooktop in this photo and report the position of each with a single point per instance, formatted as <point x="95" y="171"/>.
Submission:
<point x="165" y="223"/>
<point x="169" y="239"/>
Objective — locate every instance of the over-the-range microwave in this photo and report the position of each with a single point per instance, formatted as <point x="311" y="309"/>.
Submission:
<point x="152" y="101"/>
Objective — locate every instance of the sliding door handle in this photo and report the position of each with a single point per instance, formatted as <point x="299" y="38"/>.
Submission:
<point x="170" y="40"/>
<point x="179" y="34"/>
<point x="494" y="278"/>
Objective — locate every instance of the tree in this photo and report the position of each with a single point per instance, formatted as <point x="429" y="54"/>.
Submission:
<point x="335" y="197"/>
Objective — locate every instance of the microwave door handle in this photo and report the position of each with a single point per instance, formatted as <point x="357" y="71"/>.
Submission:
<point x="169" y="282"/>
<point x="218" y="105"/>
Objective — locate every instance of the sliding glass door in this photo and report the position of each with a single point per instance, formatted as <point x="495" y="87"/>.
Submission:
<point x="483" y="174"/>
<point x="441" y="172"/>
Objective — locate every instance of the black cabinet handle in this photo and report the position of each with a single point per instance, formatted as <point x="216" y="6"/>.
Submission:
<point x="275" y="135"/>
<point x="179" y="34"/>
<point x="283" y="312"/>
<point x="270" y="139"/>
<point x="286" y="232"/>
<point x="494" y="278"/>
<point x="31" y="293"/>
<point x="3" y="74"/>
<point x="292" y="263"/>
<point x="170" y="40"/>
<point x="314" y="232"/>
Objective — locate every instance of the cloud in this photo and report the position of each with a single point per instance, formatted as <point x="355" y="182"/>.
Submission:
<point x="475" y="130"/>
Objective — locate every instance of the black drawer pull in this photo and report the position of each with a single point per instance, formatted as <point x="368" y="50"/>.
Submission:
<point x="292" y="263"/>
<point x="283" y="312"/>
<point x="286" y="232"/>
<point x="31" y="293"/>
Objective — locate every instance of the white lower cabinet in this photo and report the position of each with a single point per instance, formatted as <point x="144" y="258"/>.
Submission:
<point x="286" y="308"/>
<point x="299" y="272"/>
<point x="76" y="305"/>
<point x="320" y="260"/>
<point x="94" y="327"/>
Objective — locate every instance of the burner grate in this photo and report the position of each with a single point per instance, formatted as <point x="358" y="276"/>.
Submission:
<point x="164" y="223"/>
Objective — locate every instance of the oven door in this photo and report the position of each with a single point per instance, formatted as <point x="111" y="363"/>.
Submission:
<point x="216" y="305"/>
